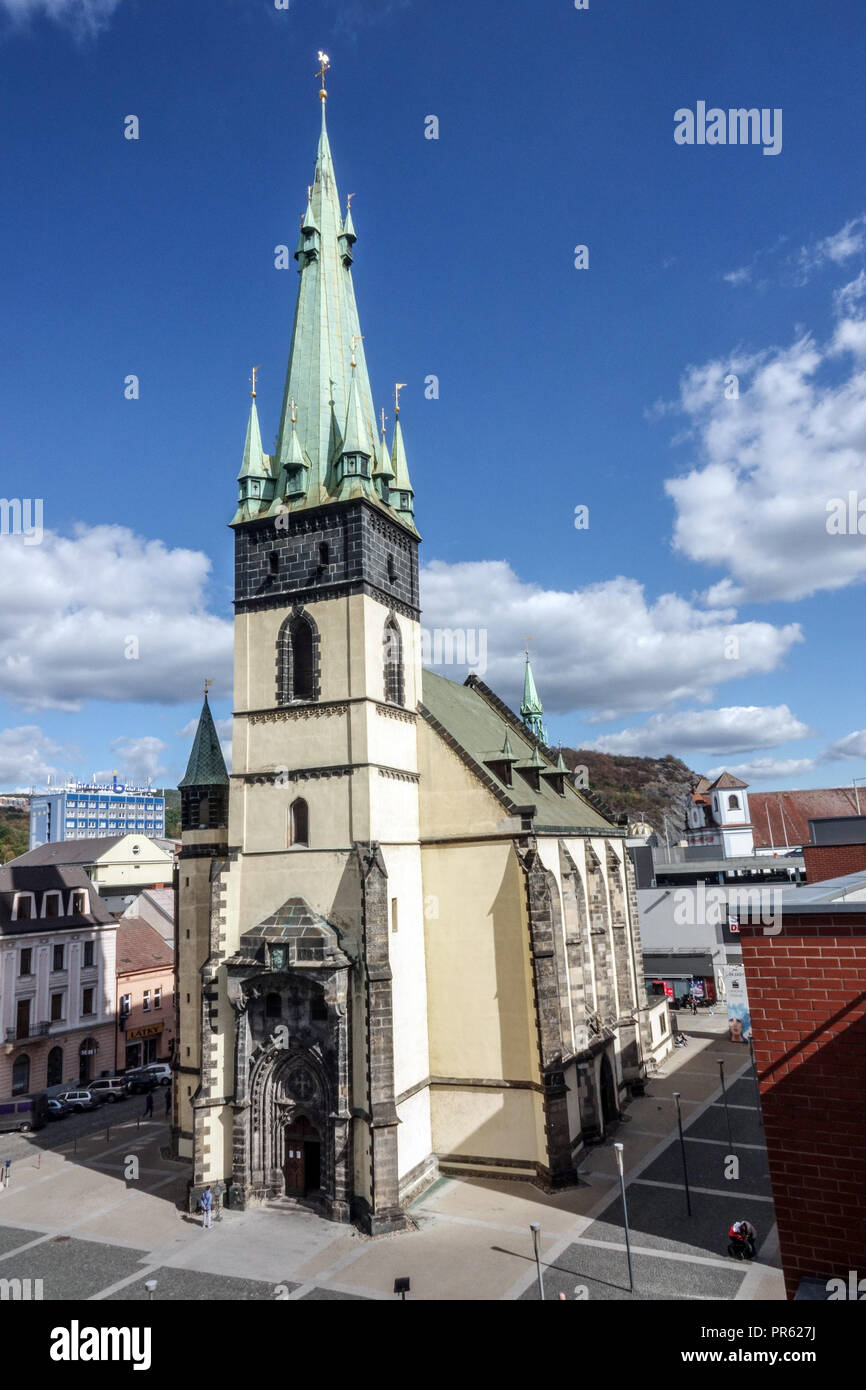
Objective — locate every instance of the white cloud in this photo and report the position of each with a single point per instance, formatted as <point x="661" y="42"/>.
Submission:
<point x="735" y="729"/>
<point x="766" y="769"/>
<point x="604" y="649"/>
<point x="71" y="608"/>
<point x="85" y="18"/>
<point x="738" y="277"/>
<point x="846" y="298"/>
<point x="755" y="503"/>
<point x="837" y="248"/>
<point x="223" y="728"/>
<point x="27" y="757"/>
<point x="138" y="758"/>
<point x="851" y="747"/>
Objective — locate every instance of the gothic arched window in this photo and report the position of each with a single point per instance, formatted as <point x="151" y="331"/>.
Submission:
<point x="297" y="660"/>
<point x="299" y="822"/>
<point x="392" y="645"/>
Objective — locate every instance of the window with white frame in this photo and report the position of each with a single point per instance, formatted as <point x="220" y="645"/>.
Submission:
<point x="146" y="1001"/>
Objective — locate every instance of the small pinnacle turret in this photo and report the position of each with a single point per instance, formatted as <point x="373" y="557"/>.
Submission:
<point x="531" y="708"/>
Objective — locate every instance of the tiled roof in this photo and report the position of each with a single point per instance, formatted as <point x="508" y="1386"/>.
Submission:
<point x="38" y="879"/>
<point x="790" y="812"/>
<point x="140" y="947"/>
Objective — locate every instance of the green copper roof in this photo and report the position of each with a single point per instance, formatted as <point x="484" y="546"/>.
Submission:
<point x="470" y="715"/>
<point x="255" y="478"/>
<point x="531" y="708"/>
<point x="530" y="704"/>
<point x="333" y="401"/>
<point x="206" y="767"/>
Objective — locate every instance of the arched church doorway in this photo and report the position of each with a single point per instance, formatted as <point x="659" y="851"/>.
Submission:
<point x="302" y="1165"/>
<point x="609" y="1107"/>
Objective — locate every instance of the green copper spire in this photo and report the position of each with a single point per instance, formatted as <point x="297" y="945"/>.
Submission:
<point x="255" y="480"/>
<point x="206" y="767"/>
<point x="328" y="447"/>
<point x="531" y="708"/>
<point x="292" y="481"/>
<point x="325" y="337"/>
<point x="402" y="496"/>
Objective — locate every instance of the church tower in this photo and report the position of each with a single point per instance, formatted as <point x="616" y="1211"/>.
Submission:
<point x="315" y="943"/>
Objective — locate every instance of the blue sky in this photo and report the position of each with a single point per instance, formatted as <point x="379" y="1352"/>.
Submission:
<point x="706" y="610"/>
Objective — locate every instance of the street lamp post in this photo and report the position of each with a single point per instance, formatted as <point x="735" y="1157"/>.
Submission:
<point x="618" y="1148"/>
<point x="536" y="1232"/>
<point x="683" y="1152"/>
<point x="721" y="1062"/>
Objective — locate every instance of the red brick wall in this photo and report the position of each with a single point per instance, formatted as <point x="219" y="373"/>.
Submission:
<point x="807" y="997"/>
<point x="831" y="861"/>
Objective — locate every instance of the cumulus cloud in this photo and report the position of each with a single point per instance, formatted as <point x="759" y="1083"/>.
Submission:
<point x="756" y="501"/>
<point x="850" y="748"/>
<point x="837" y="248"/>
<point x="138" y="758"/>
<point x="735" y="729"/>
<point x="27" y="757"/>
<point x="605" y="649"/>
<point x="84" y="18"/>
<point x="766" y="769"/>
<point x="107" y="615"/>
<point x="738" y="277"/>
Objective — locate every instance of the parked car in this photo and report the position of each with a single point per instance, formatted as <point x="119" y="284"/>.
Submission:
<point x="57" y="1109"/>
<point x="110" y="1088"/>
<point x="141" y="1080"/>
<point x="79" y="1101"/>
<point x="161" y="1070"/>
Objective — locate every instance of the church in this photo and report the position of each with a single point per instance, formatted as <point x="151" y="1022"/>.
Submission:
<point x="407" y="945"/>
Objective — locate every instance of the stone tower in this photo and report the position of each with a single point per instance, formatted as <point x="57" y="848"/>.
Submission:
<point x="315" y="942"/>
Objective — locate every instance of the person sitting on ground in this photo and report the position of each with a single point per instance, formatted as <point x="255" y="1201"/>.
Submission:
<point x="741" y="1240"/>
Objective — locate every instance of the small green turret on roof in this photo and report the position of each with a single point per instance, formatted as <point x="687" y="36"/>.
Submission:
<point x="206" y="767"/>
<point x="255" y="480"/>
<point x="402" y="496"/>
<point x="531" y="709"/>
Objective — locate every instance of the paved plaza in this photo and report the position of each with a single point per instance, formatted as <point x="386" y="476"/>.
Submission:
<point x="96" y="1212"/>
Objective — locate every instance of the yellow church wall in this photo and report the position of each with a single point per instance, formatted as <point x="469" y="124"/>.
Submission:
<point x="453" y="795"/>
<point x="480" y="1122"/>
<point x="481" y="1010"/>
<point x="408" y="966"/>
<point x="414" y="1133"/>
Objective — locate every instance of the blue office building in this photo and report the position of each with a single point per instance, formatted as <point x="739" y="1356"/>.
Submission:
<point x="87" y="810"/>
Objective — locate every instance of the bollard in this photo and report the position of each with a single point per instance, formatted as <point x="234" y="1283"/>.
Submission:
<point x="39" y="1159"/>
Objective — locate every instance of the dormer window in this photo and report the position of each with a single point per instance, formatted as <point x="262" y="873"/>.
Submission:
<point x="23" y="907"/>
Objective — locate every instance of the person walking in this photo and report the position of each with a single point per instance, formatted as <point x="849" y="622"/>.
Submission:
<point x="148" y="1105"/>
<point x="693" y="1004"/>
<point x="206" y="1209"/>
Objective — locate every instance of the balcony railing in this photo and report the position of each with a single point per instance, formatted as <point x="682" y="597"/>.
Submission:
<point x="36" y="1030"/>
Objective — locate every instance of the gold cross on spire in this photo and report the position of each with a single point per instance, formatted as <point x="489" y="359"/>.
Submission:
<point x="325" y="64"/>
<point x="349" y="197"/>
<point x="383" y="422"/>
<point x="256" y="371"/>
<point x="294" y="405"/>
<point x="528" y="640"/>
<point x="207" y="686"/>
<point x="309" y="192"/>
<point x="398" y="387"/>
<point x="356" y="339"/>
